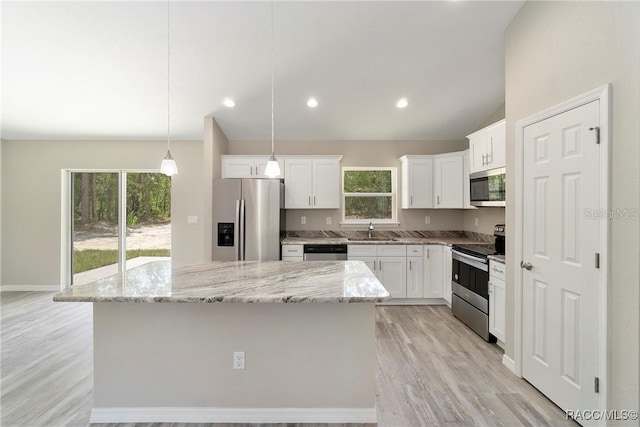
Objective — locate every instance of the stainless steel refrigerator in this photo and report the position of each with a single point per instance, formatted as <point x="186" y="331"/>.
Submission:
<point x="248" y="219"/>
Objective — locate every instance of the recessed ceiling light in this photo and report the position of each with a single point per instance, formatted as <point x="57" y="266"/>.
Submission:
<point x="402" y="103"/>
<point x="228" y="102"/>
<point x="312" y="102"/>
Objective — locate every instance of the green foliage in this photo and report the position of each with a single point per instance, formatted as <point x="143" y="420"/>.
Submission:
<point x="95" y="198"/>
<point x="367" y="181"/>
<point x="94" y="258"/>
<point x="367" y="207"/>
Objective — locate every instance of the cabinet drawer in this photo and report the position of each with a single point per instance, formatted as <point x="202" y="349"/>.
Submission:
<point x="361" y="250"/>
<point x="496" y="270"/>
<point x="292" y="250"/>
<point x="414" y="250"/>
<point x="391" y="250"/>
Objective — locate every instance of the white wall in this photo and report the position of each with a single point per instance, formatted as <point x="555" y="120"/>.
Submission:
<point x="31" y="184"/>
<point x="556" y="51"/>
<point x="363" y="153"/>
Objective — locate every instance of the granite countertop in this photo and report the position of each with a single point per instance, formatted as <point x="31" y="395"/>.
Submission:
<point x="448" y="241"/>
<point x="498" y="258"/>
<point x="236" y="282"/>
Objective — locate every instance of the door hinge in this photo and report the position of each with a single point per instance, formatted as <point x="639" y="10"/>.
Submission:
<point x="597" y="129"/>
<point x="596" y="384"/>
<point x="597" y="260"/>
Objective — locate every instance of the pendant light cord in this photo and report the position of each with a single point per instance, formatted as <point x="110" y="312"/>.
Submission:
<point x="272" y="114"/>
<point x="168" y="76"/>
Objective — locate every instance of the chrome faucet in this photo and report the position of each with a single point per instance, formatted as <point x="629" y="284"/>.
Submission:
<point x="370" y="229"/>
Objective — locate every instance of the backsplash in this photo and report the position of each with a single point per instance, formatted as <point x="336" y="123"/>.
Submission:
<point x="396" y="234"/>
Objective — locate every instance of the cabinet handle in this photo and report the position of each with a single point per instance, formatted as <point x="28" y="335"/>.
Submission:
<point x="409" y="265"/>
<point x="380" y="263"/>
<point x="438" y="199"/>
<point x="428" y="254"/>
<point x="309" y="200"/>
<point x="314" y="200"/>
<point x="410" y="200"/>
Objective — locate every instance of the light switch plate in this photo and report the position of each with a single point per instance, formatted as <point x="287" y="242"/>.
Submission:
<point x="192" y="219"/>
<point x="475" y="221"/>
<point x="427" y="219"/>
<point x="303" y="220"/>
<point x="328" y="220"/>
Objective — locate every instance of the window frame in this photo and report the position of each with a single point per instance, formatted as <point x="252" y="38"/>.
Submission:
<point x="394" y="196"/>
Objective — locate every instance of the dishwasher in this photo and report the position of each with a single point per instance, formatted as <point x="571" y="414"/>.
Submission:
<point x="325" y="252"/>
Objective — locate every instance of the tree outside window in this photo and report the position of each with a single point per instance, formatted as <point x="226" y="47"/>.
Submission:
<point x="369" y="195"/>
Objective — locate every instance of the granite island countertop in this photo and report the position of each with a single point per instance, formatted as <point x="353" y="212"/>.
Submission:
<point x="236" y="282"/>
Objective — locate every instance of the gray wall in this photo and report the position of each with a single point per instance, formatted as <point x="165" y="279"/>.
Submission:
<point x="363" y="153"/>
<point x="556" y="51"/>
<point x="32" y="194"/>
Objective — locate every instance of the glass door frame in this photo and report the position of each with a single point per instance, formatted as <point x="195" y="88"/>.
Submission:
<point x="67" y="227"/>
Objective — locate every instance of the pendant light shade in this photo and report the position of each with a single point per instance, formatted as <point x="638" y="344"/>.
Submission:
<point x="168" y="165"/>
<point x="272" y="170"/>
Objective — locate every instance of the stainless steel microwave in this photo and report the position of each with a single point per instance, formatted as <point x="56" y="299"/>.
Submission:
<point x="488" y="187"/>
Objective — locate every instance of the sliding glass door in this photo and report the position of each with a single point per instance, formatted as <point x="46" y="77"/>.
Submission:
<point x="119" y="220"/>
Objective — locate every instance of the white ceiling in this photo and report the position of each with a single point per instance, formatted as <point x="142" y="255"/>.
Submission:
<point x="87" y="70"/>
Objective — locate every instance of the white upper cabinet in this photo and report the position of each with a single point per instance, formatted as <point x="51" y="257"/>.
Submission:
<point x="417" y="178"/>
<point x="487" y="147"/>
<point x="466" y="184"/>
<point x="247" y="166"/>
<point x="448" y="183"/>
<point x="312" y="183"/>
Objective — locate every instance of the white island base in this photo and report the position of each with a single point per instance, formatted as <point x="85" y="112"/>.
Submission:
<point x="168" y="362"/>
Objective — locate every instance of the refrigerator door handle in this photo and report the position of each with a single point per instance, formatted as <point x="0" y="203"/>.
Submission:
<point x="240" y="213"/>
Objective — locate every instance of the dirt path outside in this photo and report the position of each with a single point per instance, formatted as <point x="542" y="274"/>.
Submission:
<point x="142" y="237"/>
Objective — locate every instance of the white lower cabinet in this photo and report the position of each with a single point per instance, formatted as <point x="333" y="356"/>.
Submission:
<point x="415" y="276"/>
<point x="446" y="273"/>
<point x="388" y="263"/>
<point x="433" y="276"/>
<point x="292" y="252"/>
<point x="497" y="301"/>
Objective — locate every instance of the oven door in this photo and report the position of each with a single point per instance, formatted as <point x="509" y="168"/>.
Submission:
<point x="487" y="188"/>
<point x="470" y="280"/>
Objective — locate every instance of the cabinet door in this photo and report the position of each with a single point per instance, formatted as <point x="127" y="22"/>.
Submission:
<point x="261" y="164"/>
<point x="392" y="272"/>
<point x="446" y="273"/>
<point x="433" y="276"/>
<point x="448" y="172"/>
<point x="415" y="277"/>
<point x="297" y="187"/>
<point x="420" y="183"/>
<point x="497" y="319"/>
<point x="478" y="152"/>
<point x="496" y="146"/>
<point x="326" y="184"/>
<point x="238" y="168"/>
<point x="369" y="260"/>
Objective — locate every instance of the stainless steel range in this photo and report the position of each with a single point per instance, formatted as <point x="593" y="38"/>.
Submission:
<point x="470" y="283"/>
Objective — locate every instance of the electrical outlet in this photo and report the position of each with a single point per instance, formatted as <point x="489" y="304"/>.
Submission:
<point x="328" y="220"/>
<point x="475" y="221"/>
<point x="303" y="220"/>
<point x="238" y="360"/>
<point x="427" y="219"/>
<point x="192" y="219"/>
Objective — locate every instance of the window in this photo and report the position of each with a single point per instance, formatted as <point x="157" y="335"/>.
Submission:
<point x="369" y="195"/>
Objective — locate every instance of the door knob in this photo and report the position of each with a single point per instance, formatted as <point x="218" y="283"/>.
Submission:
<point x="526" y="265"/>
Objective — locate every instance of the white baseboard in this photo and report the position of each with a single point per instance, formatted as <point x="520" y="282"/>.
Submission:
<point x="414" y="301"/>
<point x="509" y="363"/>
<point x="30" y="288"/>
<point x="232" y="415"/>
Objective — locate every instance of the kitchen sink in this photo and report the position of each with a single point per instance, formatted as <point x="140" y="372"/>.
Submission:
<point x="371" y="239"/>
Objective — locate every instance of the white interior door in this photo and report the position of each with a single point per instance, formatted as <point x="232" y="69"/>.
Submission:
<point x="560" y="241"/>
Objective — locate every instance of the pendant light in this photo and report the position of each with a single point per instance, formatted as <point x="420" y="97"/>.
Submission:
<point x="272" y="170"/>
<point x="168" y="166"/>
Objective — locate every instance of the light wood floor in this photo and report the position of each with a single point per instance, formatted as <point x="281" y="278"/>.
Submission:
<point x="431" y="370"/>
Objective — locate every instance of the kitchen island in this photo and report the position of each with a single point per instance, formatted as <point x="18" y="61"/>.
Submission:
<point x="165" y="338"/>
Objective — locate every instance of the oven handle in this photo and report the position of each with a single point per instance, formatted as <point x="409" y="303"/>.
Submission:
<point x="471" y="260"/>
